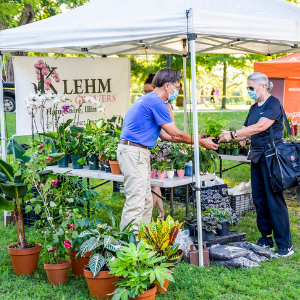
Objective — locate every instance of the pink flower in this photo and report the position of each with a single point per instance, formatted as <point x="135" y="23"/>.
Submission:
<point x="54" y="182"/>
<point x="41" y="147"/>
<point x="48" y="159"/>
<point x="57" y="80"/>
<point x="67" y="244"/>
<point x="48" y="81"/>
<point x="77" y="218"/>
<point x="37" y="72"/>
<point x="53" y="72"/>
<point x="47" y="87"/>
<point x="55" y="75"/>
<point x="72" y="226"/>
<point x="45" y="72"/>
<point x="38" y="77"/>
<point x="40" y="61"/>
<point x="36" y="65"/>
<point x="43" y="65"/>
<point x="79" y="133"/>
<point x="53" y="248"/>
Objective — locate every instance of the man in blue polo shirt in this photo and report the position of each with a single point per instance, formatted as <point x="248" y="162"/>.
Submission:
<point x="145" y="121"/>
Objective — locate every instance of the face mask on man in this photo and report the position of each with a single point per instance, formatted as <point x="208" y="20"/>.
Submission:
<point x="252" y="93"/>
<point x="173" y="96"/>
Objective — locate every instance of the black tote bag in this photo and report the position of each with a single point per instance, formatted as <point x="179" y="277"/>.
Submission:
<point x="283" y="161"/>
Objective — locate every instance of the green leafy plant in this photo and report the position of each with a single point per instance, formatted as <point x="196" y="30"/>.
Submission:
<point x="223" y="145"/>
<point x="14" y="180"/>
<point x="214" y="125"/>
<point x="235" y="144"/>
<point x="104" y="241"/>
<point x="76" y="146"/>
<point x="210" y="224"/>
<point x="191" y="220"/>
<point x="221" y="214"/>
<point x="160" y="236"/>
<point x="111" y="146"/>
<point x="140" y="268"/>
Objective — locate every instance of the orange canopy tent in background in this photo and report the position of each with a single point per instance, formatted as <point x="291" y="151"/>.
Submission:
<point x="284" y="72"/>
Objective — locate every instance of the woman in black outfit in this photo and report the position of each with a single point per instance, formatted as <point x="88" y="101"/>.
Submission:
<point x="272" y="212"/>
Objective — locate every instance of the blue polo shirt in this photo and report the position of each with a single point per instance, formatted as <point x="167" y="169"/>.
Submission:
<point x="270" y="110"/>
<point x="142" y="122"/>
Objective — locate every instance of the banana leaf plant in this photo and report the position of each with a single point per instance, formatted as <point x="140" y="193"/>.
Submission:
<point x="13" y="187"/>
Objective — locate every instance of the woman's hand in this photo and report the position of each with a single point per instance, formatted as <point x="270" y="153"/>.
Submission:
<point x="243" y="143"/>
<point x="225" y="138"/>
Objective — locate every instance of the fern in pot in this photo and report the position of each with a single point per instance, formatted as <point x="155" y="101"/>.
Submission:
<point x="104" y="242"/>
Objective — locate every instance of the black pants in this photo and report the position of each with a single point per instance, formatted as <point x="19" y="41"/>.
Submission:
<point x="271" y="209"/>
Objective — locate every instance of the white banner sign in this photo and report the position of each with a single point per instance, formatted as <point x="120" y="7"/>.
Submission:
<point x="107" y="80"/>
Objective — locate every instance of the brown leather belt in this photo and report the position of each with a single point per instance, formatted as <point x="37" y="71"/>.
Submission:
<point x="125" y="142"/>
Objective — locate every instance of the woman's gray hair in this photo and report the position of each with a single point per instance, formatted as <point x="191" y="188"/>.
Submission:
<point x="261" y="78"/>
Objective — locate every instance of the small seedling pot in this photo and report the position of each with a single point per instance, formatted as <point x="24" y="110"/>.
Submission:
<point x="225" y="229"/>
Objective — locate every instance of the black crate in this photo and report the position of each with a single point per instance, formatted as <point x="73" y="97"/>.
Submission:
<point x="118" y="187"/>
<point x="179" y="193"/>
<point x="242" y="203"/>
<point x="233" y="237"/>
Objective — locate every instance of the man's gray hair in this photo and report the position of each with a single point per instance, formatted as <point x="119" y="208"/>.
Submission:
<point x="261" y="78"/>
<point x="166" y="75"/>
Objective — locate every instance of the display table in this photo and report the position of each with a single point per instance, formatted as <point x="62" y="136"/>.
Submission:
<point x="166" y="183"/>
<point x="242" y="159"/>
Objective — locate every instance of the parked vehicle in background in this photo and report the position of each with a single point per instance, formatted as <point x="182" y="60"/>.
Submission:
<point x="9" y="96"/>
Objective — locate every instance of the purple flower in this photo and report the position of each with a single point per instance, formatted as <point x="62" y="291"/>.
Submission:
<point x="66" y="107"/>
<point x="168" y="160"/>
<point x="153" y="156"/>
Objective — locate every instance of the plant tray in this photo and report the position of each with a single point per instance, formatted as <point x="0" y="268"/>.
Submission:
<point x="233" y="237"/>
<point x="118" y="187"/>
<point x="242" y="203"/>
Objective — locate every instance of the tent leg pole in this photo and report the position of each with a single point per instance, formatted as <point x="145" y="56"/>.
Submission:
<point x="184" y="92"/>
<point x="2" y="116"/>
<point x="192" y="38"/>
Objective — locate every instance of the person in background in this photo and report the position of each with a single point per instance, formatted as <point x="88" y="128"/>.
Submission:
<point x="217" y="96"/>
<point x="271" y="209"/>
<point x="202" y="97"/>
<point x="146" y="120"/>
<point x="212" y="95"/>
<point x="148" y="88"/>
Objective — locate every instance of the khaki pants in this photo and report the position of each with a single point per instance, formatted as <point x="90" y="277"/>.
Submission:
<point x="135" y="166"/>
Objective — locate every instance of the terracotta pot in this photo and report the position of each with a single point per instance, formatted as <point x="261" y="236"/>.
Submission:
<point x="180" y="173"/>
<point x="152" y="174"/>
<point x="115" y="168"/>
<point x="101" y="285"/>
<point x="161" y="175"/>
<point x="77" y="265"/>
<point x="147" y="295"/>
<point x="166" y="284"/>
<point x="24" y="261"/>
<point x="58" y="273"/>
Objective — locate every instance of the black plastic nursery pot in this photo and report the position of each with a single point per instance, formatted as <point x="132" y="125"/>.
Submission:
<point x="246" y="152"/>
<point x="225" y="229"/>
<point x="235" y="152"/>
<point x="222" y="150"/>
<point x="107" y="169"/>
<point x="93" y="162"/>
<point x="229" y="151"/>
<point x="193" y="231"/>
<point x="75" y="163"/>
<point x="208" y="235"/>
<point x="101" y="166"/>
<point x="64" y="162"/>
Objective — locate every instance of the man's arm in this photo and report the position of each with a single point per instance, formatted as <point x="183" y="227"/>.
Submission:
<point x="171" y="133"/>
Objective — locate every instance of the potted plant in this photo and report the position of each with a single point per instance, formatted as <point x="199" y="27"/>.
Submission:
<point x="191" y="221"/>
<point x="224" y="218"/>
<point x="160" y="236"/>
<point x="13" y="185"/>
<point x="111" y="154"/>
<point x="139" y="268"/>
<point x="104" y="241"/>
<point x="209" y="226"/>
<point x="229" y="148"/>
<point x="222" y="148"/>
<point x="179" y="158"/>
<point x="76" y="147"/>
<point x="235" y="146"/>
<point x="214" y="125"/>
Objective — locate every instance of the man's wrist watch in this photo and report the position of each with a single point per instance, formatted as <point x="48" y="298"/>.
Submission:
<point x="235" y="134"/>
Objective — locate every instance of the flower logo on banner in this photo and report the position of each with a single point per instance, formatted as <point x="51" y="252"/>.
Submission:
<point x="45" y="75"/>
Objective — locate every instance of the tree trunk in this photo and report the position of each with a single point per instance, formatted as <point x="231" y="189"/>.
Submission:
<point x="224" y="84"/>
<point x="20" y="227"/>
<point x="26" y="18"/>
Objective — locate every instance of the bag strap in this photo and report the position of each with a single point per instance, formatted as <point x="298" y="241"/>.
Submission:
<point x="287" y="125"/>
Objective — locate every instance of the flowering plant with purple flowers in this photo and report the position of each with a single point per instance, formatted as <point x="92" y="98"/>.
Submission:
<point x="161" y="159"/>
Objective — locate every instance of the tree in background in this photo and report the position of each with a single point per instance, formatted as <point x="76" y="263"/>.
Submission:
<point x="14" y="13"/>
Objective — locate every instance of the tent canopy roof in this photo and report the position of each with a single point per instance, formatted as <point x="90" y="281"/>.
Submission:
<point x="283" y="67"/>
<point x="106" y="27"/>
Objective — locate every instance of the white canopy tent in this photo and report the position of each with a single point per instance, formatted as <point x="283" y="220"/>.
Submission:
<point x="107" y="27"/>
